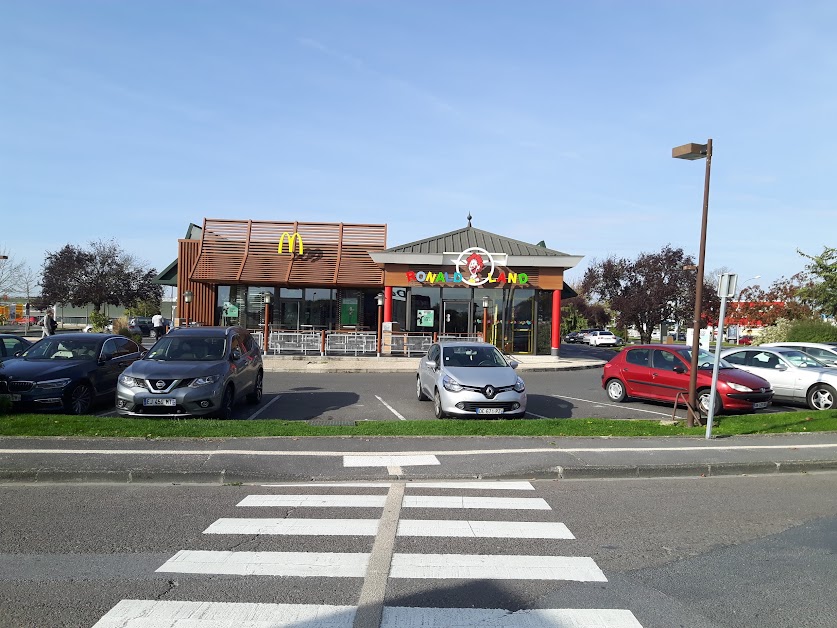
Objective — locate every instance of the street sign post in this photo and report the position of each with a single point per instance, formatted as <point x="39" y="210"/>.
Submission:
<point x="726" y="290"/>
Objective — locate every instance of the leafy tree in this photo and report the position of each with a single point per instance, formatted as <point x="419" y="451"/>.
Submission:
<point x="101" y="274"/>
<point x="822" y="291"/>
<point x="145" y="307"/>
<point x="28" y="281"/>
<point x="781" y="300"/>
<point x="648" y="290"/>
<point x="579" y="313"/>
<point x="9" y="273"/>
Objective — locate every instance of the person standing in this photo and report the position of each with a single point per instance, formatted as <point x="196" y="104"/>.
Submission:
<point x="159" y="325"/>
<point x="49" y="323"/>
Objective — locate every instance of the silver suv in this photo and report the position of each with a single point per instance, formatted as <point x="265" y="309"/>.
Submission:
<point x="193" y="372"/>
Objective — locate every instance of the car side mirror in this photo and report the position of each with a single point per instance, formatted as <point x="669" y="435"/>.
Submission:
<point x="781" y="367"/>
<point x="677" y="368"/>
<point x="513" y="364"/>
<point x="235" y="356"/>
<point x="431" y="364"/>
<point x="143" y="354"/>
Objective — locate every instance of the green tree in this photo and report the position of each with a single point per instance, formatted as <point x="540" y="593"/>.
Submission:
<point x="101" y="274"/>
<point x="822" y="290"/>
<point x="759" y="306"/>
<point x="9" y="273"/>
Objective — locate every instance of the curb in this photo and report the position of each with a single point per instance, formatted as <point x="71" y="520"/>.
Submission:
<point x="37" y="476"/>
<point x="318" y="368"/>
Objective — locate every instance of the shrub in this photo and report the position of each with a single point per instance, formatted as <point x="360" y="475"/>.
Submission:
<point x="120" y="325"/>
<point x="98" y="320"/>
<point x="774" y="333"/>
<point x="812" y="331"/>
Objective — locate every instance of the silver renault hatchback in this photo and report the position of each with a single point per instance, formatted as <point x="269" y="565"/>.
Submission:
<point x="470" y="379"/>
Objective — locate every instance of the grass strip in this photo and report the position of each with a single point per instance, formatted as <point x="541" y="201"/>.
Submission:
<point x="46" y="424"/>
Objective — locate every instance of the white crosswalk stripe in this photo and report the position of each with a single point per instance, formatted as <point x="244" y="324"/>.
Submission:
<point x="391" y="461"/>
<point x="400" y="566"/>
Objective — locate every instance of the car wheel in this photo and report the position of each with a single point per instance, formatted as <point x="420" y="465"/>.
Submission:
<point x="616" y="390"/>
<point x="703" y="397"/>
<point x="821" y="397"/>
<point x="437" y="406"/>
<point x="256" y="396"/>
<point x="225" y="409"/>
<point x="79" y="399"/>
<point x="420" y="394"/>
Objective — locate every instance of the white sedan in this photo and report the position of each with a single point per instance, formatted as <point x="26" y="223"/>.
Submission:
<point x="795" y="376"/>
<point x="602" y="338"/>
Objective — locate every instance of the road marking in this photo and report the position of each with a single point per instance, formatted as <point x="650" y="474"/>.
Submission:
<point x="315" y="501"/>
<point x="419" y="617"/>
<point x="168" y="613"/>
<point x="495" y="567"/>
<point x="371" y="602"/>
<point x="484" y="529"/>
<point x="389" y="460"/>
<point x="395" y="470"/>
<point x="263" y="408"/>
<point x="496" y="503"/>
<point x="291" y="527"/>
<point x="613" y="405"/>
<point x="332" y="484"/>
<point x="111" y="412"/>
<point x="390" y="408"/>
<point x="475" y="485"/>
<point x="291" y="564"/>
<point x="537" y="416"/>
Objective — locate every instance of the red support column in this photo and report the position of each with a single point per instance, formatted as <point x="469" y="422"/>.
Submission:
<point x="556" y="321"/>
<point x="388" y="304"/>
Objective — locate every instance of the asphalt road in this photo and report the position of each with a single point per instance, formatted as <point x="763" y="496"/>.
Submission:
<point x="732" y="552"/>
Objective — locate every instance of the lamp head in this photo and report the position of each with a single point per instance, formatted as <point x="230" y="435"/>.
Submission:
<point x="689" y="151"/>
<point x="268" y="298"/>
<point x="187" y="296"/>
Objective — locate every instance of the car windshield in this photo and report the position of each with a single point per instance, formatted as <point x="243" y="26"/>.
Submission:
<point x="188" y="349"/>
<point x="57" y="348"/>
<point x="797" y="358"/>
<point x="482" y="357"/>
<point x="706" y="360"/>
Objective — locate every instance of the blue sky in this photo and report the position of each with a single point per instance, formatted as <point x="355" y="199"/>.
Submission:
<point x="544" y="120"/>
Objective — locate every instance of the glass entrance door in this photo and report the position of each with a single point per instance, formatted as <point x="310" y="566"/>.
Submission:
<point x="456" y="317"/>
<point x="288" y="314"/>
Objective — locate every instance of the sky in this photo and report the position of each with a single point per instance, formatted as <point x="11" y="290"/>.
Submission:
<point x="545" y="120"/>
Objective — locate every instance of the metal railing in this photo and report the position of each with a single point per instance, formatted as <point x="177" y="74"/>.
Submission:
<point x="406" y="344"/>
<point x="356" y="342"/>
<point x="295" y="342"/>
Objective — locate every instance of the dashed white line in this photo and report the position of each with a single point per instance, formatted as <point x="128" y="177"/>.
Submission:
<point x="390" y="408"/>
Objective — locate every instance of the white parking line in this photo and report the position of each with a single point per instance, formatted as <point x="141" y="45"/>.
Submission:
<point x="537" y="416"/>
<point x="295" y="527"/>
<point x="484" y="529"/>
<point x="612" y="405"/>
<point x="390" y="408"/>
<point x="494" y="503"/>
<point x="315" y="501"/>
<point x="299" y="564"/>
<point x="495" y="567"/>
<point x="263" y="408"/>
<point x="107" y="413"/>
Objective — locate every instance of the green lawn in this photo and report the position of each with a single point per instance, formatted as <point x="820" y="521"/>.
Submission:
<point x="61" y="425"/>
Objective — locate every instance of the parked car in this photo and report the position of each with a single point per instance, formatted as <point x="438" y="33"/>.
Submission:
<point x="193" y="372"/>
<point x="88" y="329"/>
<point x="602" y="339"/>
<point x="470" y="379"/>
<point x="25" y="320"/>
<point x="796" y="377"/>
<point x="574" y="337"/>
<point x="658" y="372"/>
<point x="140" y="325"/>
<point x="70" y="371"/>
<point x="822" y="351"/>
<point x="11" y="344"/>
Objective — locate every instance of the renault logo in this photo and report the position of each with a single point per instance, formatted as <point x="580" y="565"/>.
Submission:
<point x="160" y="384"/>
<point x="490" y="392"/>
<point x="291" y="237"/>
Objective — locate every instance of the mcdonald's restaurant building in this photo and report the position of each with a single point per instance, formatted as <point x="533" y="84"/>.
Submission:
<point x="330" y="276"/>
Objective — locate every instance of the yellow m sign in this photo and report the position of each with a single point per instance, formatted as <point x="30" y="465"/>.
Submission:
<point x="292" y="237"/>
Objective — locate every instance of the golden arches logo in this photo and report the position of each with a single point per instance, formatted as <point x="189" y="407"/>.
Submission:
<point x="292" y="237"/>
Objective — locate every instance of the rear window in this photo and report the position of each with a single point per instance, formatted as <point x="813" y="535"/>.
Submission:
<point x="637" y="356"/>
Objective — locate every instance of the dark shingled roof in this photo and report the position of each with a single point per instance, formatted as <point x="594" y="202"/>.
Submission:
<point x="468" y="237"/>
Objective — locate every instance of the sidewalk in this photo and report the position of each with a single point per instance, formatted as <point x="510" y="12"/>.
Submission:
<point x="265" y="460"/>
<point x="388" y="364"/>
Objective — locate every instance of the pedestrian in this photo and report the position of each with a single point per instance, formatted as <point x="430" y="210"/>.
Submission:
<point x="159" y="325"/>
<point x="49" y="323"/>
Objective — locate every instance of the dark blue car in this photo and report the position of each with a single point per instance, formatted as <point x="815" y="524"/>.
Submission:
<point x="68" y="371"/>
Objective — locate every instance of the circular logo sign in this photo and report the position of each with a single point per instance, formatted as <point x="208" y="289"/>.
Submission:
<point x="471" y="264"/>
<point x="160" y="384"/>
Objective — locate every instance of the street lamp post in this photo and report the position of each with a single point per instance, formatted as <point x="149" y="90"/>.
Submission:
<point x="485" y="319"/>
<point x="187" y="299"/>
<point x="692" y="152"/>
<point x="268" y="299"/>
<point x="380" y="299"/>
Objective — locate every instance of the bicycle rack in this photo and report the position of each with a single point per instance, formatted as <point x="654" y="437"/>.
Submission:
<point x="689" y="408"/>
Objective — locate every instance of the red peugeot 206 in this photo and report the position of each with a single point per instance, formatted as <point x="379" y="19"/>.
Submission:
<point x="659" y="372"/>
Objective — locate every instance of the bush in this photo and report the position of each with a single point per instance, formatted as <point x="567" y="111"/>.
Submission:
<point x="774" y="333"/>
<point x="120" y="325"/>
<point x="98" y="320"/>
<point x="812" y="331"/>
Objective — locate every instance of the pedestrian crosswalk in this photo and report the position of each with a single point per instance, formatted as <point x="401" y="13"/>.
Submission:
<point x="403" y="551"/>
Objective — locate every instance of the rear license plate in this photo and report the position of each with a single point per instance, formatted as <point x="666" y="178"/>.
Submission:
<point x="759" y="405"/>
<point x="11" y="397"/>
<point x="489" y="411"/>
<point x="159" y="402"/>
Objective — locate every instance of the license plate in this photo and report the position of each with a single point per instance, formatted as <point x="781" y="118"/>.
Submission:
<point x="11" y="397"/>
<point x="159" y="402"/>
<point x="489" y="411"/>
<point x="759" y="405"/>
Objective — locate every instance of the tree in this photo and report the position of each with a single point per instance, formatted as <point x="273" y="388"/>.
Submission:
<point x="649" y="290"/>
<point x="26" y="285"/>
<point x="9" y="273"/>
<point x="101" y="274"/>
<point x="759" y="306"/>
<point x="822" y="290"/>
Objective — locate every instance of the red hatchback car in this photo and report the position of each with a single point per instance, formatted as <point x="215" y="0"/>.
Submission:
<point x="659" y="372"/>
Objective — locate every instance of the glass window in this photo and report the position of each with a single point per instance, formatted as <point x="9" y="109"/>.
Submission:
<point x="740" y="357"/>
<point x="665" y="360"/>
<point x="125" y="346"/>
<point x="109" y="349"/>
<point x="230" y="305"/>
<point x="318" y="309"/>
<point x="637" y="356"/>
<point x="425" y="309"/>
<point x="290" y="293"/>
<point x="13" y="345"/>
<point x="255" y="307"/>
<point x="350" y="305"/>
<point x="457" y="294"/>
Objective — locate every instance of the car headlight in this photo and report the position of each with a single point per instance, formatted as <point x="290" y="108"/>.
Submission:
<point x="739" y="387"/>
<point x="519" y="386"/>
<point x="204" y="381"/>
<point x="53" y="384"/>
<point x="451" y="384"/>
<point x="131" y="382"/>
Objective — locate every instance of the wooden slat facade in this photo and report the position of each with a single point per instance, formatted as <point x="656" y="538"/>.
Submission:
<point x="202" y="307"/>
